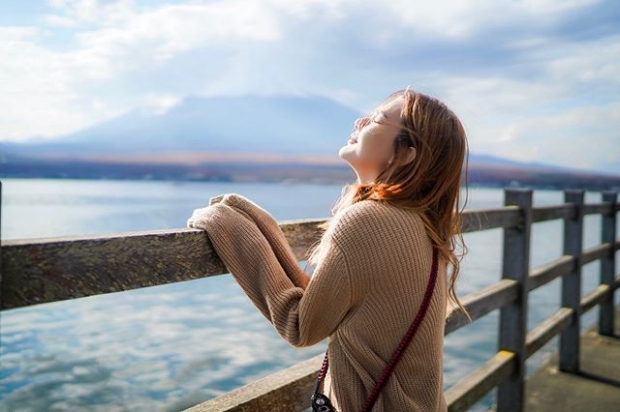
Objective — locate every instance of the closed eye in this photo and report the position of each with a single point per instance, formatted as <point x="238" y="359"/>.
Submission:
<point x="380" y="118"/>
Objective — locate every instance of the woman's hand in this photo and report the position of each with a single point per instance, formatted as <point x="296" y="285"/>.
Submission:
<point x="197" y="221"/>
<point x="219" y="198"/>
<point x="199" y="217"/>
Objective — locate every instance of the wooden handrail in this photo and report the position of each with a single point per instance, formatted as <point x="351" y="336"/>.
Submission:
<point x="547" y="329"/>
<point x="546" y="273"/>
<point x="285" y="390"/>
<point x="482" y="302"/>
<point x="544" y="214"/>
<point x="466" y="392"/>
<point x="47" y="270"/>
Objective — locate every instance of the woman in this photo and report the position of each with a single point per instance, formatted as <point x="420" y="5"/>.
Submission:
<point x="374" y="261"/>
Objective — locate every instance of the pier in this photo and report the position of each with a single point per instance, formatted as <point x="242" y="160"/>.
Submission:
<point x="595" y="388"/>
<point x="37" y="271"/>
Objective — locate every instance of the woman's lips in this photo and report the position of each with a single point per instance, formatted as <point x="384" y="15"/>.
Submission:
<point x="352" y="139"/>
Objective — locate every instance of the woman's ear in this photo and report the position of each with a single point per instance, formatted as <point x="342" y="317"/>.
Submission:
<point x="408" y="158"/>
<point x="411" y="155"/>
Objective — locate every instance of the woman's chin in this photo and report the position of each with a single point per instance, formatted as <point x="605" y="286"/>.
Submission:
<point x="342" y="152"/>
<point x="349" y="157"/>
<point x="346" y="152"/>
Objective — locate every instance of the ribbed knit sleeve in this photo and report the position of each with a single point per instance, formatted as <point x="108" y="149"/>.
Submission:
<point x="302" y="317"/>
<point x="272" y="232"/>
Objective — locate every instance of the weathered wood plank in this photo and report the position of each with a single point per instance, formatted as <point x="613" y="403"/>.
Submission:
<point x="595" y="253"/>
<point x="545" y="213"/>
<point x="477" y="220"/>
<point x="466" y="392"/>
<point x="284" y="391"/>
<point x="597" y="208"/>
<point x="302" y="235"/>
<point x="547" y="329"/>
<point x="51" y="269"/>
<point x="594" y="298"/>
<point x="548" y="272"/>
<point x="483" y="301"/>
<point x="46" y="270"/>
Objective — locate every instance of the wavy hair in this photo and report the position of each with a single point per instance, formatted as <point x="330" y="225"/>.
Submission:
<point x="430" y="184"/>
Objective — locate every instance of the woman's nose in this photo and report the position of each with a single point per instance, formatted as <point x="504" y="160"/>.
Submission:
<point x="361" y="122"/>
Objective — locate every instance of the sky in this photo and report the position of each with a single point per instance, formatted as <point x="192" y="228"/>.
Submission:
<point x="532" y="80"/>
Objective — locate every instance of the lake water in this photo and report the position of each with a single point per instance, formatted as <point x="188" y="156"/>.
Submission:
<point x="166" y="348"/>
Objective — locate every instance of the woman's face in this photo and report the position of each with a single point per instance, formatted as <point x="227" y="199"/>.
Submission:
<point x="371" y="145"/>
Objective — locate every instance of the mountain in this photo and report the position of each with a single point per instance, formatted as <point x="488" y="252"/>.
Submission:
<point x="239" y="138"/>
<point x="249" y="124"/>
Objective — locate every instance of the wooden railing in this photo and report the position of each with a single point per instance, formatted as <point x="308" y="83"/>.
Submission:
<point x="47" y="270"/>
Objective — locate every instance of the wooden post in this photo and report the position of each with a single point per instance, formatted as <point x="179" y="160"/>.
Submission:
<point x="513" y="317"/>
<point x="608" y="266"/>
<point x="571" y="283"/>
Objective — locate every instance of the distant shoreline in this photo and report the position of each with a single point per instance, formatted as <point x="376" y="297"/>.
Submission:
<point x="484" y="175"/>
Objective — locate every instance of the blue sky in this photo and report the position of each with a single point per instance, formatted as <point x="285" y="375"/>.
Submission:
<point x="532" y="80"/>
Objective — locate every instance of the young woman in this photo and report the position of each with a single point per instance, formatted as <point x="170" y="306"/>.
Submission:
<point x="374" y="264"/>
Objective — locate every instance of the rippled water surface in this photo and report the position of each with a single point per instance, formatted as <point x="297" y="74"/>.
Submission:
<point x="168" y="347"/>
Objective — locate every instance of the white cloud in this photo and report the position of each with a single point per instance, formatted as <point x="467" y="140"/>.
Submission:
<point x="36" y="87"/>
<point x="55" y="20"/>
<point x="94" y="11"/>
<point x="571" y="137"/>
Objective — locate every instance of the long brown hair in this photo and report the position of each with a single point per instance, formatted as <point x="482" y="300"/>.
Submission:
<point x="430" y="184"/>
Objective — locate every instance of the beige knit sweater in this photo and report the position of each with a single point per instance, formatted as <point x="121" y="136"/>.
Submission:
<point x="364" y="293"/>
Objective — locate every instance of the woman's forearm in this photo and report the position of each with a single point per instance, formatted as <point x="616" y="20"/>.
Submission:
<point x="272" y="232"/>
<point x="302" y="317"/>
